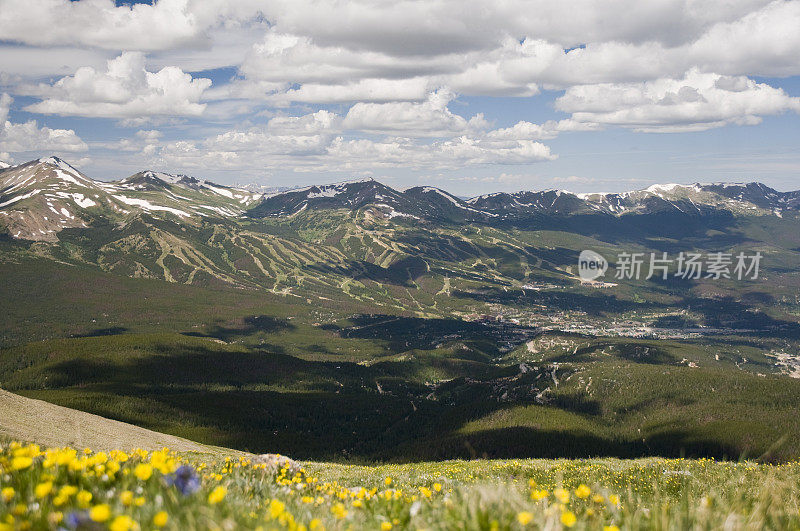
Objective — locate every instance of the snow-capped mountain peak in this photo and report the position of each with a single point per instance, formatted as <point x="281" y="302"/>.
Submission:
<point x="42" y="197"/>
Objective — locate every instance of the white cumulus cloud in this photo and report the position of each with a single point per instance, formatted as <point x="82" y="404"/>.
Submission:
<point x="314" y="142"/>
<point x="696" y="102"/>
<point x="28" y="136"/>
<point x="547" y="130"/>
<point x="126" y="90"/>
<point x="765" y="42"/>
<point x="99" y="23"/>
<point x="429" y="118"/>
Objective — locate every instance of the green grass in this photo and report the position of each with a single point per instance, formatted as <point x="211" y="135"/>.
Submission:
<point x="125" y="491"/>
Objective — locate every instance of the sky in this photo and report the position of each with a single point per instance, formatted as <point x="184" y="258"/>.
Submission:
<point x="470" y="96"/>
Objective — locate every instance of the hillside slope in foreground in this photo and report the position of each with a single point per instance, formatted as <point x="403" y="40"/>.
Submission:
<point x="27" y="419"/>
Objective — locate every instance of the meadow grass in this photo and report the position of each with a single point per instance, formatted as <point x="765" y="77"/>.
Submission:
<point x="69" y="489"/>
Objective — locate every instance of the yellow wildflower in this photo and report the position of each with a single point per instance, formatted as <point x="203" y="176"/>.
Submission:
<point x="568" y="518"/>
<point x="126" y="497"/>
<point x="524" y="518"/>
<point x="143" y="471"/>
<point x="112" y="467"/>
<point x="119" y="456"/>
<point x="160" y="519"/>
<point x="582" y="491"/>
<point x="32" y="450"/>
<point x="562" y="495"/>
<point x="338" y="510"/>
<point x="68" y="490"/>
<point x="217" y="494"/>
<point x="386" y="526"/>
<point x="84" y="497"/>
<point x="610" y="528"/>
<point x="21" y="463"/>
<point x="64" y="457"/>
<point x="276" y="508"/>
<point x="43" y="489"/>
<point x="7" y="494"/>
<point x="100" y="513"/>
<point x="541" y="494"/>
<point x="162" y="461"/>
<point x="122" y="523"/>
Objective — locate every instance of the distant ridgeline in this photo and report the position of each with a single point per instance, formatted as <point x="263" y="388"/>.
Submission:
<point x="41" y="197"/>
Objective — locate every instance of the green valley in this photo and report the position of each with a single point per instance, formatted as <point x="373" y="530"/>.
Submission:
<point x="353" y="322"/>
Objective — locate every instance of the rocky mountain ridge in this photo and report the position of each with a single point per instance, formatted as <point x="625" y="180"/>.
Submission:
<point x="41" y="197"/>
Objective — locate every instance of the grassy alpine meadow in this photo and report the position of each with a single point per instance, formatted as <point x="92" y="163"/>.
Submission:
<point x="65" y="488"/>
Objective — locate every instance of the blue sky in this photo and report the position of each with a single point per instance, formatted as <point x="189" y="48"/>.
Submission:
<point x="529" y="95"/>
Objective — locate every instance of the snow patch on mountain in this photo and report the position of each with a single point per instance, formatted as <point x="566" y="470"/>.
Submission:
<point x="326" y="191"/>
<point x="147" y="205"/>
<point x="20" y="198"/>
<point x="79" y="199"/>
<point x="220" y="191"/>
<point x="431" y="189"/>
<point x="663" y="187"/>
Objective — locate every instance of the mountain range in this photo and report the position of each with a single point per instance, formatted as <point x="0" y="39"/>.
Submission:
<point x="41" y="197"/>
<point x="427" y="324"/>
